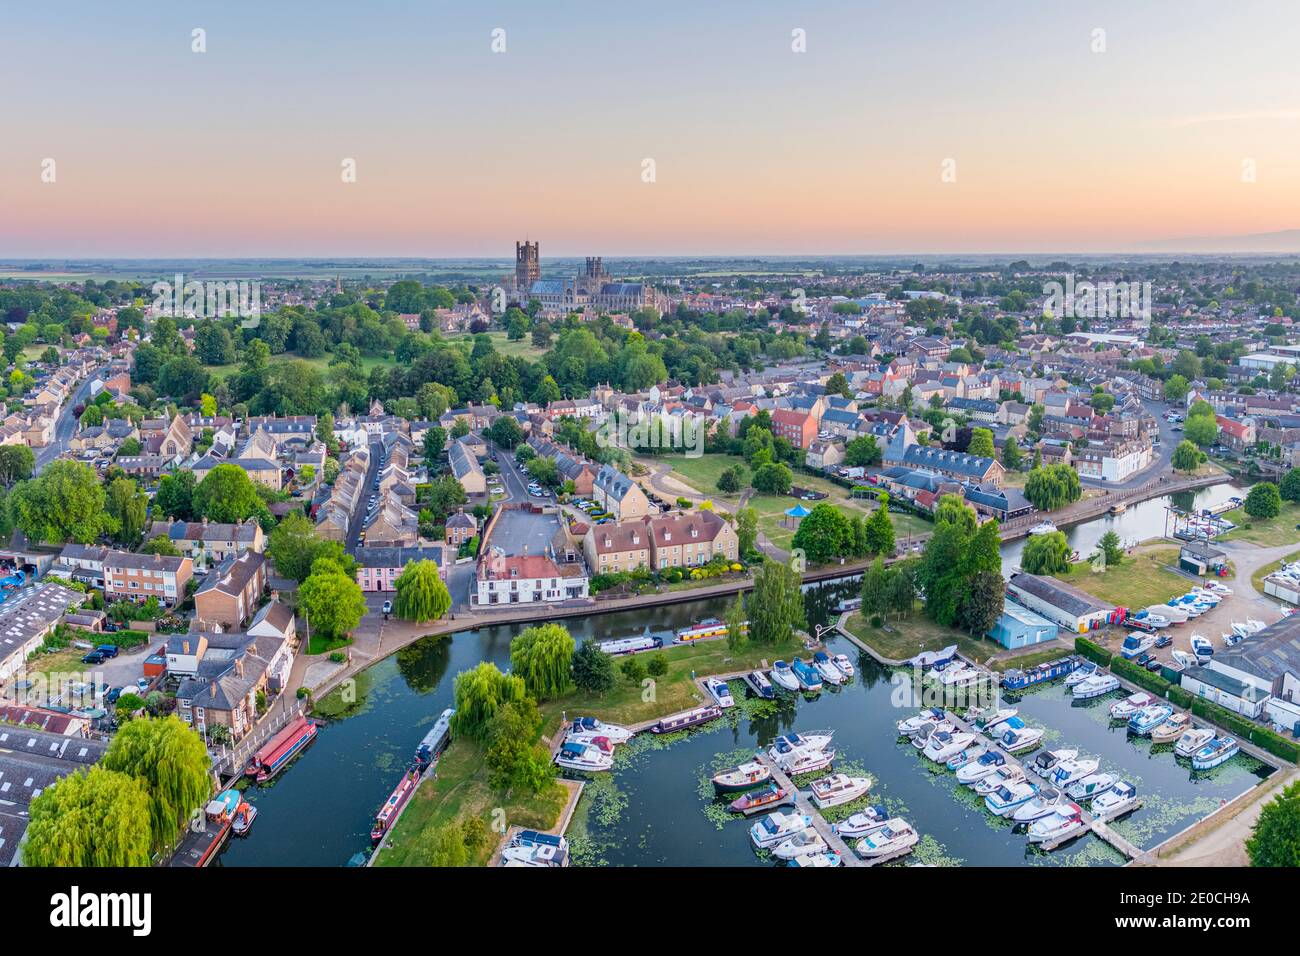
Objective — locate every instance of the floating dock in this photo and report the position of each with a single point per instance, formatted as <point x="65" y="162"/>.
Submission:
<point x="837" y="845"/>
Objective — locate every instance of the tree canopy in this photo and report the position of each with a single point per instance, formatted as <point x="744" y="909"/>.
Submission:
<point x="421" y="593"/>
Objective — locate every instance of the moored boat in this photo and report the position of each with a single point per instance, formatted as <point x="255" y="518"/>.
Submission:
<point x="942" y="745"/>
<point x="989" y="720"/>
<point x="914" y="723"/>
<point x="1020" y="740"/>
<point x="775" y="827"/>
<point x="986" y="764"/>
<point x="973" y="752"/>
<point x="827" y="669"/>
<point x="1043" y="527"/>
<point x="1047" y="801"/>
<point x="838" y="788"/>
<point x="1080" y="673"/>
<point x="1005" y="799"/>
<point x="533" y="848"/>
<point x="1044" y="763"/>
<point x="815" y="861"/>
<point x="684" y="721"/>
<point x="439" y="735"/>
<point x="1171" y="729"/>
<point x="242" y="822"/>
<point x="809" y="678"/>
<point x="744" y="777"/>
<point x="845" y="666"/>
<point x="1065" y="822"/>
<point x="720" y="691"/>
<point x="392" y="807"/>
<point x="588" y="758"/>
<point x="804" y="843"/>
<point x="708" y="628"/>
<point x="807" y="761"/>
<point x="787" y="745"/>
<point x="895" y="836"/>
<point x="1149" y="718"/>
<point x="1068" y="771"/>
<point x="1192" y="740"/>
<point x="1130" y="705"/>
<point x="1091" y="786"/>
<point x="861" y="823"/>
<point x="783" y="675"/>
<point x="1218" y="751"/>
<point x="749" y="803"/>
<point x="280" y="750"/>
<point x="1097" y="685"/>
<point x="1118" y="800"/>
<point x="1016" y="679"/>
<point x="757" y="682"/>
<point x="596" y="728"/>
<point x="1010" y="773"/>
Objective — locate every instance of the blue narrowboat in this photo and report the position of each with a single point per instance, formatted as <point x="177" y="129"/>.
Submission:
<point x="1016" y="679"/>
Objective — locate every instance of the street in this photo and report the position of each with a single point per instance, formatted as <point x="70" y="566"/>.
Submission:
<point x="66" y="424"/>
<point x="359" y="509"/>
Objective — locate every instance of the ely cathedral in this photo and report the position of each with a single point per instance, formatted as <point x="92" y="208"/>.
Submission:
<point x="594" y="288"/>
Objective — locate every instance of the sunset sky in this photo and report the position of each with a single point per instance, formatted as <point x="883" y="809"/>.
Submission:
<point x="160" y="151"/>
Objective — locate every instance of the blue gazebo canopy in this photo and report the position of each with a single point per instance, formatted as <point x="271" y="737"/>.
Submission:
<point x="798" y="511"/>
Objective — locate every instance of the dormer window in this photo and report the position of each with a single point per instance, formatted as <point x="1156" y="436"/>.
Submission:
<point x="695" y="532"/>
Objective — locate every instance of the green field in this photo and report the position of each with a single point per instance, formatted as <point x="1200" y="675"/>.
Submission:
<point x="898" y="640"/>
<point x="321" y="362"/>
<point x="501" y="342"/>
<point x="1138" y="581"/>
<point x="1268" y="532"/>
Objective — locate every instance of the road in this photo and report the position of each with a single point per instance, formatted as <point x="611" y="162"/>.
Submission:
<point x="66" y="425"/>
<point x="359" y="510"/>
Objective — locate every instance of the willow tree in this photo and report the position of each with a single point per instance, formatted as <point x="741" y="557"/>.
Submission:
<point x="480" y="693"/>
<point x="421" y="594"/>
<point x="543" y="657"/>
<point x="94" y="817"/>
<point x="173" y="765"/>
<point x="776" y="604"/>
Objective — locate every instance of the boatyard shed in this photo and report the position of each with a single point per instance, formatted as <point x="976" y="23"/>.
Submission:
<point x="1201" y="557"/>
<point x="1071" y="608"/>
<point x="1020" y="627"/>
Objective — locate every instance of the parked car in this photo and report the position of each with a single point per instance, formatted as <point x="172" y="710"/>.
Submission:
<point x="113" y="694"/>
<point x="143" y="683"/>
<point x="108" y="650"/>
<point x="1164" y="640"/>
<point x="388" y="607"/>
<point x="1142" y="659"/>
<point x="94" y="657"/>
<point x="1154" y="665"/>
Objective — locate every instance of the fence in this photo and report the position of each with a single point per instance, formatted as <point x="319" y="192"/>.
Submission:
<point x="286" y="708"/>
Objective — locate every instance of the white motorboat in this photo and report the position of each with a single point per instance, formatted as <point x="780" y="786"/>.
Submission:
<point x="586" y="757"/>
<point x="1170" y="612"/>
<point x="1065" y="822"/>
<point x="776" y="827"/>
<point x="1218" y="751"/>
<point x="1218" y="587"/>
<point x="941" y="746"/>
<point x="760" y="685"/>
<point x="922" y="736"/>
<point x="1004" y="801"/>
<point x="1095" y="686"/>
<point x="1091" y="786"/>
<point x="862" y="823"/>
<point x="838" y="788"/>
<point x="748" y="775"/>
<point x="914" y="723"/>
<point x="598" y="728"/>
<point x="814" y="861"/>
<point x="1206" y="597"/>
<point x="826" y="667"/>
<point x="1080" y="673"/>
<point x="1011" y="773"/>
<point x="534" y="849"/>
<point x="1130" y="705"/>
<point x="1135" y="643"/>
<point x="784" y="676"/>
<point x="1046" y="801"/>
<point x="803" y="843"/>
<point x="976" y="770"/>
<point x="789" y="744"/>
<point x="987" y="722"/>
<point x="1149" y="718"/>
<point x="807" y="761"/>
<point x="1171" y="729"/>
<point x="1184" y="659"/>
<point x="963" y="676"/>
<point x="1043" y="527"/>
<point x="721" y="693"/>
<point x="1248" y="627"/>
<point x="1044" y="763"/>
<point x="1202" y="648"/>
<point x="1068" y="771"/>
<point x="1020" y="740"/>
<point x="894" y="837"/>
<point x="1118" y="800"/>
<point x="1230" y="638"/>
<point x="970" y="754"/>
<point x="1192" y="741"/>
<point x="845" y="665"/>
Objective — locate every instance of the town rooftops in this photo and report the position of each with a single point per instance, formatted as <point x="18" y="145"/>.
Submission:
<point x="141" y="562"/>
<point x="1271" y="653"/>
<point x="233" y="574"/>
<point x="1060" y="595"/>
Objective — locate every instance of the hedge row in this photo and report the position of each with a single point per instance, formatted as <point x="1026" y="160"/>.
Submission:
<point x="127" y="638"/>
<point x="1262" y="737"/>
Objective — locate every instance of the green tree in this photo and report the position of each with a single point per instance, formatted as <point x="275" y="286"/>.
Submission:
<point x="442" y="847"/>
<point x="16" y="463"/>
<point x="161" y="544"/>
<point x="227" y="494"/>
<point x="1187" y="457"/>
<point x="746" y="531"/>
<point x="94" y="817"/>
<point x="172" y="764"/>
<point x="543" y="657"/>
<point x="421" y="593"/>
<point x="1011" y="457"/>
<point x="981" y="443"/>
<point x="504" y="432"/>
<point x="1049" y="487"/>
<point x="332" y="601"/>
<point x="1264" y="500"/>
<point x="129" y="507"/>
<point x="65" y="502"/>
<point x="1275" y="837"/>
<point x="776" y="604"/>
<point x="823" y="534"/>
<point x="515" y="757"/>
<point x="862" y="452"/>
<point x="1203" y="430"/>
<point x="737" y="637"/>
<point x="1111" y="549"/>
<point x="175" y="496"/>
<point x="879" y="531"/>
<point x="593" y="669"/>
<point x="773" y="478"/>
<point x="731" y="480"/>
<point x="983" y="602"/>
<point x="1045" y="554"/>
<point x="1176" y="388"/>
<point x="480" y="693"/>
<point x="435" y="439"/>
<point x="293" y="546"/>
<point x="1290" y="486"/>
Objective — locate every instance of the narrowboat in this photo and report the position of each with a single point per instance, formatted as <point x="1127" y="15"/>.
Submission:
<point x="708" y="628"/>
<point x="281" y="749"/>
<point x="849" y="604"/>
<point x="392" y="807"/>
<point x="631" y="645"/>
<point x="199" y="846"/>
<point x="684" y="721"/>
<point x="1017" y="679"/>
<point x="435" y="741"/>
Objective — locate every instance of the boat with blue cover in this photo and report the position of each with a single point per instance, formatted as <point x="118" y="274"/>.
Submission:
<point x="1017" y="679"/>
<point x="807" y="675"/>
<point x="1218" y="751"/>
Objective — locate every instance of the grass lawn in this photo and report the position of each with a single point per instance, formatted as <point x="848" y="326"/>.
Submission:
<point x="1139" y="581"/>
<point x="1268" y="532"/>
<point x="899" y="640"/>
<point x="501" y="342"/>
<point x="702" y="473"/>
<point x="773" y="523"/>
<point x="458" y="790"/>
<point x="321" y="363"/>
<point x="673" y="692"/>
<point x="64" y="661"/>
